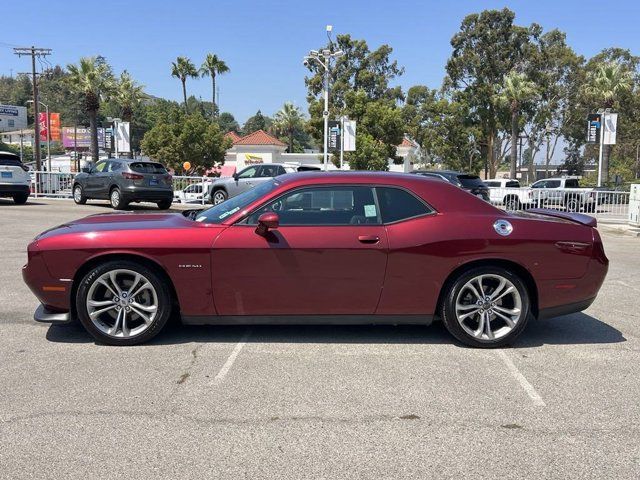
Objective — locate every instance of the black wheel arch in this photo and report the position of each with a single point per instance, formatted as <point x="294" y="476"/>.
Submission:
<point x="510" y="265"/>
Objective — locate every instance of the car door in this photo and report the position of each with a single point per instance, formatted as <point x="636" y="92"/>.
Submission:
<point x="93" y="180"/>
<point x="327" y="256"/>
<point x="245" y="180"/>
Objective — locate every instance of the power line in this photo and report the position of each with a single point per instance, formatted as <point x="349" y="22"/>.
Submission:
<point x="39" y="53"/>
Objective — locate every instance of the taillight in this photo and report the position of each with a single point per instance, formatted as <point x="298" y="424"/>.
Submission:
<point x="132" y="176"/>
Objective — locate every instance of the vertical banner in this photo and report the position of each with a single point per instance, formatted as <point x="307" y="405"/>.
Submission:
<point x="593" y="128"/>
<point x="610" y="128"/>
<point x="54" y="124"/>
<point x="349" y="135"/>
<point x="334" y="135"/>
<point x="122" y="137"/>
<point x="42" y="120"/>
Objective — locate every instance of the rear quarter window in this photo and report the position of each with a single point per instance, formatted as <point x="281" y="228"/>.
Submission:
<point x="397" y="204"/>
<point x="571" y="183"/>
<point x="470" y="181"/>
<point x="148" y="167"/>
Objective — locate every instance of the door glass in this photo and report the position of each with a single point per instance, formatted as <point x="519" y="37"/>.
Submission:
<point x="397" y="204"/>
<point x="334" y="205"/>
<point x="100" y="167"/>
<point x="248" y="172"/>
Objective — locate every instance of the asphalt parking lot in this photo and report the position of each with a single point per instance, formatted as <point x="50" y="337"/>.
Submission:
<point x="317" y="402"/>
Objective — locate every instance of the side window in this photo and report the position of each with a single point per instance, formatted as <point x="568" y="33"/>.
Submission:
<point x="571" y="183"/>
<point x="541" y="184"/>
<point x="100" y="167"/>
<point x="249" y="172"/>
<point x="553" y="184"/>
<point x="513" y="184"/>
<point x="493" y="184"/>
<point x="268" y="171"/>
<point x="113" y="166"/>
<point x="397" y="204"/>
<point x="281" y="170"/>
<point x="334" y="205"/>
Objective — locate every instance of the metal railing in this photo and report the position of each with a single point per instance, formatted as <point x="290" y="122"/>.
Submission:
<point x="599" y="203"/>
<point x="59" y="185"/>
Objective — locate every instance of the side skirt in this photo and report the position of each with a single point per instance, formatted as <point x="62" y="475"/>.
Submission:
<point x="308" y="320"/>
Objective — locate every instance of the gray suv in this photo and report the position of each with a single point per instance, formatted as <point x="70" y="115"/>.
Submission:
<point x="244" y="180"/>
<point x="122" y="181"/>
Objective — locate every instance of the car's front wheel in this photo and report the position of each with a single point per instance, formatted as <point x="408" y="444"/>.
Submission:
<point x="78" y="195"/>
<point x="123" y="303"/>
<point x="486" y="307"/>
<point x="219" y="196"/>
<point x="20" y="198"/>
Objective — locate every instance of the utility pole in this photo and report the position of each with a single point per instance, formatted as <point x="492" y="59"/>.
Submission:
<point x="34" y="52"/>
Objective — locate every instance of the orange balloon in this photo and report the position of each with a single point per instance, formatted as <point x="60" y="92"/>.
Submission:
<point x="186" y="165"/>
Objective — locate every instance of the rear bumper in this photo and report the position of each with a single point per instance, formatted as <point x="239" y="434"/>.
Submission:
<point x="146" y="194"/>
<point x="560" y="310"/>
<point x="44" y="315"/>
<point x="10" y="189"/>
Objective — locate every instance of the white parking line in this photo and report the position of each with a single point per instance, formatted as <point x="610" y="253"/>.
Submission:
<point x="218" y="379"/>
<point x="524" y="383"/>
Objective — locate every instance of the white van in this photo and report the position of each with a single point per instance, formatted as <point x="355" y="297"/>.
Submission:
<point x="15" y="181"/>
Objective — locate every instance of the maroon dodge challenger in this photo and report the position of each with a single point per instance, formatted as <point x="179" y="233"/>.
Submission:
<point x="347" y="247"/>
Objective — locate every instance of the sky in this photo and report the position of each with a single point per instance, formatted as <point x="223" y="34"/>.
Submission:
<point x="263" y="42"/>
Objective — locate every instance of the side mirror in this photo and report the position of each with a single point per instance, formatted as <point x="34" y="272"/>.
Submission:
<point x="267" y="221"/>
<point x="235" y="177"/>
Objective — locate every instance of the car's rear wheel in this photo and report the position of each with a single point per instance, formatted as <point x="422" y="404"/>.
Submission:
<point x="78" y="195"/>
<point x="164" y="204"/>
<point x="123" y="303"/>
<point x="117" y="202"/>
<point x="219" y="196"/>
<point x="486" y="307"/>
<point x="572" y="204"/>
<point x="20" y="198"/>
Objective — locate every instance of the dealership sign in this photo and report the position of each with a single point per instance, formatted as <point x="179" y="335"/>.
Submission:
<point x="81" y="137"/>
<point x="12" y="118"/>
<point x="593" y="128"/>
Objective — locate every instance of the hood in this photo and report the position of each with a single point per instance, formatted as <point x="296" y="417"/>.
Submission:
<point x="120" y="221"/>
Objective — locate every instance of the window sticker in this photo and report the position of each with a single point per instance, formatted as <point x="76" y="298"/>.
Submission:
<point x="230" y="212"/>
<point x="370" y="211"/>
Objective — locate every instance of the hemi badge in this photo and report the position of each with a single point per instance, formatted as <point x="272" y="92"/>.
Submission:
<point x="54" y="289"/>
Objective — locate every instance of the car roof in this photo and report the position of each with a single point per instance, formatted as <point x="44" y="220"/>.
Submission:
<point x="445" y="172"/>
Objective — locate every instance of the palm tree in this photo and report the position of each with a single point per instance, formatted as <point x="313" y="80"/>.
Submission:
<point x="91" y="79"/>
<point x="516" y="91"/>
<point x="606" y="83"/>
<point x="288" y="120"/>
<point x="183" y="68"/>
<point x="211" y="67"/>
<point x="128" y="95"/>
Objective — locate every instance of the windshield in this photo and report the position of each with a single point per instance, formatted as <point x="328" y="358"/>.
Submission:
<point x="218" y="213"/>
<point x="470" y="181"/>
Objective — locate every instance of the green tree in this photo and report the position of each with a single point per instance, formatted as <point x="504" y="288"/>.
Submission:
<point x="188" y="138"/>
<point x="516" y="91"/>
<point x="287" y="121"/>
<point x="257" y="122"/>
<point x="91" y="79"/>
<point x="212" y="67"/>
<point x="487" y="47"/>
<point x="182" y="69"/>
<point x="128" y="95"/>
<point x="228" y="122"/>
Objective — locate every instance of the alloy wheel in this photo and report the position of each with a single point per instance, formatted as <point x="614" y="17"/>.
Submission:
<point x="77" y="194"/>
<point x="219" y="197"/>
<point x="488" y="307"/>
<point x="122" y="303"/>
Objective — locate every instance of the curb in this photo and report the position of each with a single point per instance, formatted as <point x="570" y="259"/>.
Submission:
<point x="620" y="230"/>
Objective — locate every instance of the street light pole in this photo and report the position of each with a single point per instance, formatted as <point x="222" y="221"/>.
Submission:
<point x="603" y="115"/>
<point x="325" y="113"/>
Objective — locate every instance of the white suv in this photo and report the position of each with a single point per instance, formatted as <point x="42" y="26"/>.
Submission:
<point x="15" y="181"/>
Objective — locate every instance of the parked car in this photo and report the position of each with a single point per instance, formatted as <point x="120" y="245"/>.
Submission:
<point x="122" y="181"/>
<point x="245" y="179"/>
<point x="15" y="181"/>
<point x="508" y="193"/>
<point x="355" y="248"/>
<point x="471" y="183"/>
<point x="191" y="193"/>
<point x="564" y="192"/>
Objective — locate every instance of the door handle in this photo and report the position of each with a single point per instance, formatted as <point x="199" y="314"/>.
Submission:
<point x="368" y="239"/>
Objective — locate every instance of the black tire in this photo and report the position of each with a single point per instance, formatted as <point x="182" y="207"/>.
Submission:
<point x="163" y="294"/>
<point x="512" y="204"/>
<point x="572" y="204"/>
<point x="219" y="196"/>
<point x="454" y="288"/>
<point x="164" y="204"/>
<point x="116" y="200"/>
<point x="590" y="207"/>
<point x="20" y="198"/>
<point x="80" y="198"/>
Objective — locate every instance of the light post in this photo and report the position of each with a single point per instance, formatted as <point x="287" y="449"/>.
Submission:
<point x="323" y="58"/>
<point x="46" y="107"/>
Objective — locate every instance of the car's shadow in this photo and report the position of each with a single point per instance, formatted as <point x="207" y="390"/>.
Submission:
<point x="575" y="329"/>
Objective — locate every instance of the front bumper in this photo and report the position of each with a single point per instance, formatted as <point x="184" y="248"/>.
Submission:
<point x="44" y="315"/>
